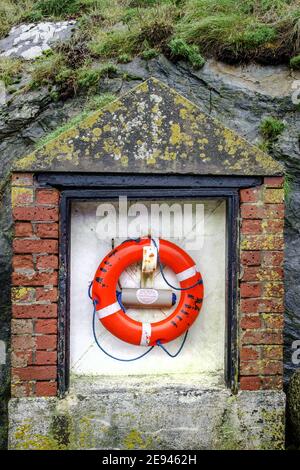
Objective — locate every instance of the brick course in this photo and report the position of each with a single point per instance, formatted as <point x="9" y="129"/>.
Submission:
<point x="34" y="292"/>
<point x="261" y="285"/>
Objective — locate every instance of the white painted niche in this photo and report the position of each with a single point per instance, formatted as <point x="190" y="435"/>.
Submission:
<point x="204" y="351"/>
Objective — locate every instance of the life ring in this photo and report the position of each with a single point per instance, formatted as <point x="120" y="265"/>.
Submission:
<point x="115" y="320"/>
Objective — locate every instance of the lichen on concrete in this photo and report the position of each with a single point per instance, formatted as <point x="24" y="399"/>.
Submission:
<point x="293" y="400"/>
<point x="151" y="126"/>
<point x="122" y="418"/>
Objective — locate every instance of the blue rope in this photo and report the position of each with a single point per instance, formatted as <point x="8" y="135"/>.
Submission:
<point x="164" y="277"/>
<point x="179" y="350"/>
<point x="107" y="353"/>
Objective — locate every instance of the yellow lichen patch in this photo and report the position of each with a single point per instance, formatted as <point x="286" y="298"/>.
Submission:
<point x="232" y="142"/>
<point x="143" y="88"/>
<point x="262" y="242"/>
<point x="26" y="440"/>
<point x="91" y="120"/>
<point x="97" y="131"/>
<point x="151" y="160"/>
<point x="169" y="155"/>
<point x="19" y="294"/>
<point x="202" y="141"/>
<point x="183" y="113"/>
<point x="180" y="100"/>
<point x="124" y="160"/>
<point x="26" y="162"/>
<point x="21" y="195"/>
<point x="134" y="440"/>
<point x="271" y="167"/>
<point x="158" y="121"/>
<point x="175" y="134"/>
<point x="273" y="196"/>
<point x="178" y="137"/>
<point x="273" y="289"/>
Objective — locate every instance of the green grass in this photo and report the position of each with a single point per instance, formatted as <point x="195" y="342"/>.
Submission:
<point x="179" y="49"/>
<point x="234" y="31"/>
<point x="95" y="102"/>
<point x="295" y="62"/>
<point x="11" y="13"/>
<point x="53" y="69"/>
<point x="61" y="129"/>
<point x="88" y="78"/>
<point x="10" y="70"/>
<point x="149" y="54"/>
<point x="240" y="31"/>
<point x="99" y="101"/>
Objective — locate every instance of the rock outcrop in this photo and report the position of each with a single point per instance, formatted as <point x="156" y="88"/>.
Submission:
<point x="29" y="41"/>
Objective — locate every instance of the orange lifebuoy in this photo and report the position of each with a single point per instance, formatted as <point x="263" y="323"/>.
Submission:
<point x="115" y="320"/>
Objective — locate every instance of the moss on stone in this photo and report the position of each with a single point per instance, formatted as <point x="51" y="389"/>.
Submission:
<point x="274" y="427"/>
<point x="135" y="440"/>
<point x="294" y="405"/>
<point x="27" y="440"/>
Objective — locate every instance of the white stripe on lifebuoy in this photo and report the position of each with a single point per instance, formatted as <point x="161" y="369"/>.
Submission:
<point x="109" y="310"/>
<point x="146" y="334"/>
<point x="187" y="273"/>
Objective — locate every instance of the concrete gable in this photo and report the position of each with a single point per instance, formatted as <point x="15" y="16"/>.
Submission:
<point x="151" y="129"/>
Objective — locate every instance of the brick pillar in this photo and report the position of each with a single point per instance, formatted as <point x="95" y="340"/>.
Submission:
<point x="34" y="292"/>
<point x="261" y="286"/>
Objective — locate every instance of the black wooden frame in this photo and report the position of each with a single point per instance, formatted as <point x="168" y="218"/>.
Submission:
<point x="139" y="186"/>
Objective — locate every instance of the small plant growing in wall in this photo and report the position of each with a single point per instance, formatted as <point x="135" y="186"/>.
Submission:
<point x="270" y="129"/>
<point x="295" y="62"/>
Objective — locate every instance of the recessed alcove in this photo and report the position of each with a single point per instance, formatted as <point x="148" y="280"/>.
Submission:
<point x="204" y="350"/>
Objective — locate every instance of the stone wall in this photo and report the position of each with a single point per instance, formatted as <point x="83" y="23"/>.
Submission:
<point x="162" y="415"/>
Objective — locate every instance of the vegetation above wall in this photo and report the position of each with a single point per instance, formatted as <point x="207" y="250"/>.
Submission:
<point x="115" y="31"/>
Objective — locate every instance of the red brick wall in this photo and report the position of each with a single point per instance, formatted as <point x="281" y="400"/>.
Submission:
<point x="35" y="274"/>
<point x="261" y="285"/>
<point x="34" y="291"/>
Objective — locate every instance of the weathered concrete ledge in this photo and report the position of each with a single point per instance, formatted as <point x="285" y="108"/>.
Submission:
<point x="144" y="417"/>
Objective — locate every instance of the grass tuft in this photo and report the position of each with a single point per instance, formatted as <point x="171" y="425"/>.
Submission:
<point x="271" y="128"/>
<point x="179" y="49"/>
<point x="295" y="62"/>
<point x="10" y="70"/>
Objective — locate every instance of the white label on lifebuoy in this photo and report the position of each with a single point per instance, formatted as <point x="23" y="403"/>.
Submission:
<point x="187" y="273"/>
<point x="109" y="310"/>
<point x="147" y="296"/>
<point x="146" y="334"/>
